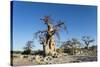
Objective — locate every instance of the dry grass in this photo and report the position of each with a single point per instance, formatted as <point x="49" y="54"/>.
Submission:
<point x="63" y="59"/>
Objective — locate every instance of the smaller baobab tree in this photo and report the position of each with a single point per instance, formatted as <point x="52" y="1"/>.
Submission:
<point x="71" y="46"/>
<point x="87" y="40"/>
<point x="28" y="48"/>
<point x="74" y="45"/>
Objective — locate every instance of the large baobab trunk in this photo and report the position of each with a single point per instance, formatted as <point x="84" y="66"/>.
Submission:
<point x="50" y="47"/>
<point x="50" y="42"/>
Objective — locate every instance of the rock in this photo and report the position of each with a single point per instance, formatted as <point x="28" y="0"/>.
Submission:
<point x="39" y="59"/>
<point x="55" y="55"/>
<point x="48" y="59"/>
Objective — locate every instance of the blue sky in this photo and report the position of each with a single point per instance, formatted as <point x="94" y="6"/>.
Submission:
<point x="80" y="20"/>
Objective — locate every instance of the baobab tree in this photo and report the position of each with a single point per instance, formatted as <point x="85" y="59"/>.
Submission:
<point x="75" y="45"/>
<point x="71" y="46"/>
<point x="87" y="40"/>
<point x="28" y="48"/>
<point x="47" y="37"/>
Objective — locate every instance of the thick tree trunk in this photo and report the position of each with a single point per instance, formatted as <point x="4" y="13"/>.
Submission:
<point x="50" y="47"/>
<point x="50" y="43"/>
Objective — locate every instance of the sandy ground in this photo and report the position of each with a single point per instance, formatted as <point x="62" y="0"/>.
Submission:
<point x="64" y="59"/>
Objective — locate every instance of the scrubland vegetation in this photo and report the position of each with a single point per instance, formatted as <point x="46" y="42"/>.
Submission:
<point x="69" y="51"/>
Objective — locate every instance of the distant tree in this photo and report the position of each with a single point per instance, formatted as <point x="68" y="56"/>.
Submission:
<point x="28" y="48"/>
<point x="93" y="47"/>
<point x="75" y="45"/>
<point x="66" y="47"/>
<point x="71" y="46"/>
<point x="87" y="40"/>
<point x="16" y="52"/>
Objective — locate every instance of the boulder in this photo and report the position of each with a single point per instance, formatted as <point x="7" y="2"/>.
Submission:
<point x="39" y="59"/>
<point x="48" y="60"/>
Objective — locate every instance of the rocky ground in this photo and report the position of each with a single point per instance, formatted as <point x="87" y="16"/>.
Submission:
<point x="60" y="60"/>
